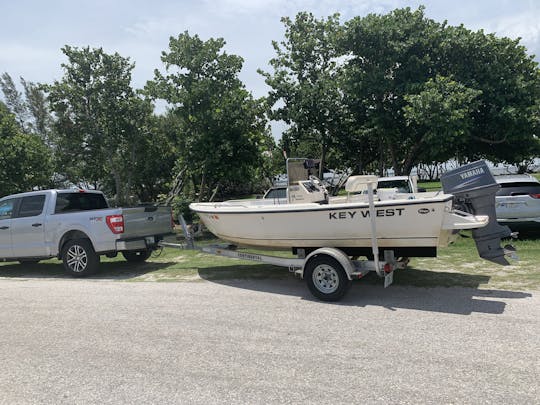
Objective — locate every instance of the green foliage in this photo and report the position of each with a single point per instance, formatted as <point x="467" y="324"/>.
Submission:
<point x="30" y="109"/>
<point x="306" y="84"/>
<point x="100" y="121"/>
<point x="220" y="128"/>
<point x="429" y="91"/>
<point x="439" y="118"/>
<point x="25" y="161"/>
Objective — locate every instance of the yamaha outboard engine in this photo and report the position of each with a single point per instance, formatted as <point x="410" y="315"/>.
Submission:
<point x="474" y="188"/>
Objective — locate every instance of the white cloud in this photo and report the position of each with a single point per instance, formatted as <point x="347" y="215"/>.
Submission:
<point x="34" y="63"/>
<point x="524" y="25"/>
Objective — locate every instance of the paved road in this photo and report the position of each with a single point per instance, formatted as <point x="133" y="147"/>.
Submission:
<point x="94" y="341"/>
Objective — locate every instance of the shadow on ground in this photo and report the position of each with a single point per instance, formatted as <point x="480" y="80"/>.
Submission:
<point x="453" y="293"/>
<point x="118" y="270"/>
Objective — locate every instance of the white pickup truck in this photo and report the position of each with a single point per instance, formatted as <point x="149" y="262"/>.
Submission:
<point x="77" y="226"/>
<point x="403" y="184"/>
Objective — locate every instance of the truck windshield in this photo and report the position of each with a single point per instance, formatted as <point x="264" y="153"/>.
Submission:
<point x="401" y="185"/>
<point x="69" y="202"/>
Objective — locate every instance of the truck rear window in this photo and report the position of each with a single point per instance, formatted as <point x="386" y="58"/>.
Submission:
<point x="69" y="202"/>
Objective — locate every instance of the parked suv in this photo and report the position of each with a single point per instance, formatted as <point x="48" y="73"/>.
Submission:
<point x="518" y="201"/>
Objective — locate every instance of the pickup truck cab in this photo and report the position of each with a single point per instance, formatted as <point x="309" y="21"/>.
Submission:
<point x="403" y="184"/>
<point x="77" y="226"/>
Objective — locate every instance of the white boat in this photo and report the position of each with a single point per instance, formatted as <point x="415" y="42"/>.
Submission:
<point x="410" y="224"/>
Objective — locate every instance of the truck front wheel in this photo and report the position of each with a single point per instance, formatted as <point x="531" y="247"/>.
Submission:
<point x="79" y="258"/>
<point x="136" y="256"/>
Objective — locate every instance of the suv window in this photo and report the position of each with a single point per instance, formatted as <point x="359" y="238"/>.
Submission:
<point x="519" y="188"/>
<point x="69" y="202"/>
<point x="31" y="206"/>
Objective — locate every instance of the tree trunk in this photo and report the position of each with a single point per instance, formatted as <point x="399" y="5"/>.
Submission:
<point x="202" y="186"/>
<point x="323" y="158"/>
<point x="381" y="156"/>
<point x="178" y="186"/>
<point x="214" y="193"/>
<point x="118" y="186"/>
<point x="409" y="161"/>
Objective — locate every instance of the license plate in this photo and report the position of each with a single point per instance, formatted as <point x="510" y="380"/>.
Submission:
<point x="150" y="240"/>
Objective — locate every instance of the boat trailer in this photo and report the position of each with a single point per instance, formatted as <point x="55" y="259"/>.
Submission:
<point x="328" y="271"/>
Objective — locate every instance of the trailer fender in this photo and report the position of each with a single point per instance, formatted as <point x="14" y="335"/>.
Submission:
<point x="336" y="254"/>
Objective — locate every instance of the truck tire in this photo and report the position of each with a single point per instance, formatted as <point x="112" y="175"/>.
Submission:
<point x="326" y="278"/>
<point x="79" y="258"/>
<point x="136" y="256"/>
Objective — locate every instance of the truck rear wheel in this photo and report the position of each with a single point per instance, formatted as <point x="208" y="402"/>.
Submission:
<point x="326" y="278"/>
<point x="136" y="256"/>
<point x="79" y="258"/>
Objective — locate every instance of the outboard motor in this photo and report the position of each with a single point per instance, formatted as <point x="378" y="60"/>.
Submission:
<point x="474" y="188"/>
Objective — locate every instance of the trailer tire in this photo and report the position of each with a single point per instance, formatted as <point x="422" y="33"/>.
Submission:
<point x="136" y="256"/>
<point x="326" y="278"/>
<point x="79" y="258"/>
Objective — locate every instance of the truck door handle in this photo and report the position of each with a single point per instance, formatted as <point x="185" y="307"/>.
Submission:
<point x="36" y="225"/>
<point x="4" y="227"/>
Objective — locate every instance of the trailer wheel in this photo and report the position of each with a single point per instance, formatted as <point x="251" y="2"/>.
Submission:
<point x="136" y="256"/>
<point x="79" y="258"/>
<point x="326" y="278"/>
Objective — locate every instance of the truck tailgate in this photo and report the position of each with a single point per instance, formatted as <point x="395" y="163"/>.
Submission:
<point x="146" y="221"/>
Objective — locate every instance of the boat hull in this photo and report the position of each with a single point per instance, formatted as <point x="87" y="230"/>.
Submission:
<point x="417" y="224"/>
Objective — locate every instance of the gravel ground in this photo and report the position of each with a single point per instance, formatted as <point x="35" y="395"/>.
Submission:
<point x="264" y="341"/>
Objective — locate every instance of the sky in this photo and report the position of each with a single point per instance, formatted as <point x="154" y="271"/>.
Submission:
<point x="32" y="33"/>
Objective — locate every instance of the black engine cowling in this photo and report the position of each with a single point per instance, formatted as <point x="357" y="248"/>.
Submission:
<point x="474" y="189"/>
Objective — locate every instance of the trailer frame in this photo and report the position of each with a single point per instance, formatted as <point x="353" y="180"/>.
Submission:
<point x="330" y="271"/>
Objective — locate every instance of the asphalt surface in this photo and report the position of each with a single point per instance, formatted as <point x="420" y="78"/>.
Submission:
<point x="264" y="341"/>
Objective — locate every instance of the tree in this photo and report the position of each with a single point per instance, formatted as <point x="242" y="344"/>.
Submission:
<point x="25" y="161"/>
<point x="99" y="120"/>
<point x="13" y="99"/>
<point x="392" y="56"/>
<point x="30" y="108"/>
<point x="306" y="82"/>
<point x="153" y="159"/>
<point x="220" y="128"/>
<point x="404" y="65"/>
<point x="505" y="121"/>
<point x="439" y="117"/>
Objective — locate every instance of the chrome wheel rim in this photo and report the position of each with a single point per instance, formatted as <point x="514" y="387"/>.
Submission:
<point x="77" y="259"/>
<point x="325" y="278"/>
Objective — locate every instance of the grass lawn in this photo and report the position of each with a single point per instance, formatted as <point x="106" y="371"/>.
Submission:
<point x="456" y="265"/>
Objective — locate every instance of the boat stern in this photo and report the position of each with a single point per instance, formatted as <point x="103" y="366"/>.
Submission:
<point x="474" y="188"/>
